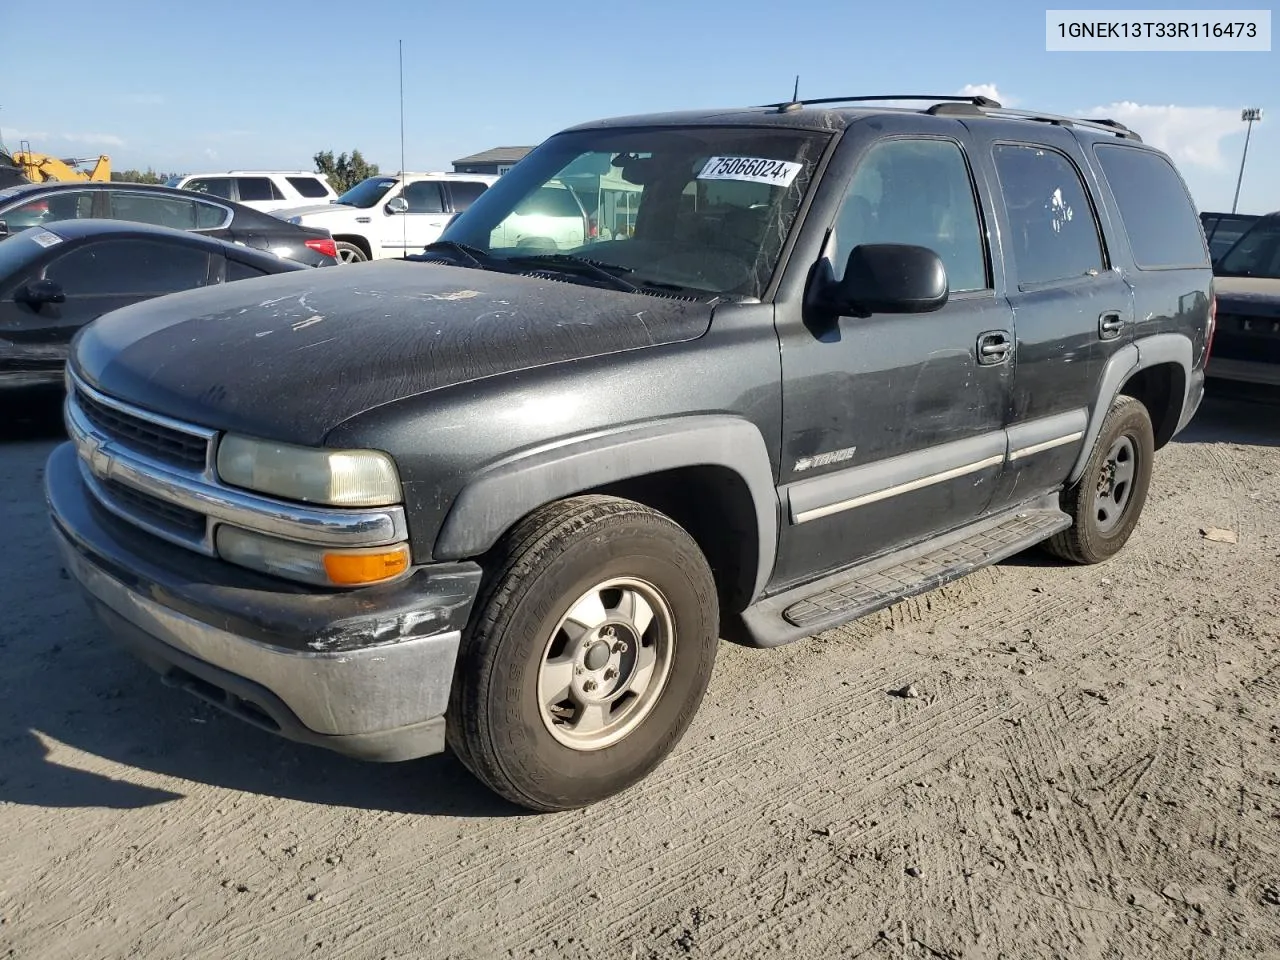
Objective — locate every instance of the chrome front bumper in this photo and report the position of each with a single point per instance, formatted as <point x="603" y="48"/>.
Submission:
<point x="367" y="678"/>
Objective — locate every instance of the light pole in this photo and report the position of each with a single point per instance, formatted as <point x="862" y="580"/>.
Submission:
<point x="1248" y="115"/>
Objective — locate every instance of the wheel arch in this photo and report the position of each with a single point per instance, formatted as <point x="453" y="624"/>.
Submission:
<point x="1156" y="370"/>
<point x="711" y="474"/>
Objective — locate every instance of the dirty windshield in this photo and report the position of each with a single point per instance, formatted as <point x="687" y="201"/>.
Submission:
<point x="699" y="211"/>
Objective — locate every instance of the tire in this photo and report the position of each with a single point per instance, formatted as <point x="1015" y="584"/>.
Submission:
<point x="1104" y="508"/>
<point x="350" y="252"/>
<point x="508" y="722"/>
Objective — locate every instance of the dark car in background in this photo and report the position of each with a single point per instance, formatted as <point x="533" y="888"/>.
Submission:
<point x="56" y="278"/>
<point x="1222" y="230"/>
<point x="37" y="204"/>
<point x="1246" y="345"/>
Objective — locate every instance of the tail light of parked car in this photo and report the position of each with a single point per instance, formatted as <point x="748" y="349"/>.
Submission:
<point x="1213" y="325"/>
<point x="327" y="247"/>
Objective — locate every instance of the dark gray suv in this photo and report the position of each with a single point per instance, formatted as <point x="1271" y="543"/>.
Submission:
<point x="819" y="357"/>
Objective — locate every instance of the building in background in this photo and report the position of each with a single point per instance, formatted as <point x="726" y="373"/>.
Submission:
<point x="496" y="161"/>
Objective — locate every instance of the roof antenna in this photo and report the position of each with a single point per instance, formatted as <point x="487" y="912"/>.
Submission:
<point x="794" y="103"/>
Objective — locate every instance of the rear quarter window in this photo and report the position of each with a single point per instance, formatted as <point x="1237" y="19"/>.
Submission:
<point x="308" y="187"/>
<point x="1159" y="218"/>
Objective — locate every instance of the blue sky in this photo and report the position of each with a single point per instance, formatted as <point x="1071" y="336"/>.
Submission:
<point x="200" y="86"/>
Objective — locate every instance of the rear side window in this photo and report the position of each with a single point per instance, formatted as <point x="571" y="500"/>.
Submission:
<point x="1158" y="216"/>
<point x="129" y="268"/>
<point x="209" y="216"/>
<point x="1054" y="233"/>
<point x="214" y="186"/>
<point x="258" y="188"/>
<point x="308" y="187"/>
<point x="238" y="270"/>
<point x="465" y="193"/>
<point x="424" y="197"/>
<point x="174" y="212"/>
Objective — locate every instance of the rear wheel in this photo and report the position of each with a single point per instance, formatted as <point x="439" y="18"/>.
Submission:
<point x="587" y="656"/>
<point x="350" y="252"/>
<point x="1105" y="503"/>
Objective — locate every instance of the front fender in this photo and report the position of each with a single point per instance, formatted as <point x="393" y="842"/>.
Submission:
<point x="503" y="493"/>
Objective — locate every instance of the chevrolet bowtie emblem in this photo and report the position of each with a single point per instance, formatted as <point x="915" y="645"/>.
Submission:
<point x="98" y="458"/>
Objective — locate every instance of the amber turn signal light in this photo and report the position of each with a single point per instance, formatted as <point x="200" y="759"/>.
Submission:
<point x="354" y="569"/>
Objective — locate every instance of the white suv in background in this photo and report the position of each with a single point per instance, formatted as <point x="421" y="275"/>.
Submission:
<point x="385" y="217"/>
<point x="268" y="190"/>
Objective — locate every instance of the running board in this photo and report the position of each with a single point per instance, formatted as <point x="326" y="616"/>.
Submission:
<point x="854" y="592"/>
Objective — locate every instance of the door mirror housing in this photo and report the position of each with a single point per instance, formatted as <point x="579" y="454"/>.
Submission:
<point x="39" y="292"/>
<point x="890" y="278"/>
<point x="397" y="205"/>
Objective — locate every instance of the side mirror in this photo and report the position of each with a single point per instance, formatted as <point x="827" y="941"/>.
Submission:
<point x="397" y="205"/>
<point x="39" y="292"/>
<point x="890" y="278"/>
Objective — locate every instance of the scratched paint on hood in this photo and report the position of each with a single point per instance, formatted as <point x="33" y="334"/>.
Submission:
<point x="291" y="356"/>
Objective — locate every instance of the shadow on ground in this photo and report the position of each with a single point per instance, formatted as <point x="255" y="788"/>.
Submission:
<point x="66" y="685"/>
<point x="87" y="695"/>
<point x="34" y="413"/>
<point x="1236" y="413"/>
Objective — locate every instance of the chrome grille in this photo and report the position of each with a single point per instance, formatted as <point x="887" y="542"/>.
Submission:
<point x="158" y="513"/>
<point x="164" y="443"/>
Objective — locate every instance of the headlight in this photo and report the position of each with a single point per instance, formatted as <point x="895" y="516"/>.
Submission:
<point x="297" y="561"/>
<point x="338" y="478"/>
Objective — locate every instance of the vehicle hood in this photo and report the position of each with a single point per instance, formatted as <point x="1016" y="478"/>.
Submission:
<point x="290" y="357"/>
<point x="321" y="209"/>
<point x="1252" y="296"/>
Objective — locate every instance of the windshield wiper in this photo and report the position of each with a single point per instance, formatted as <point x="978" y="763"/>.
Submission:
<point x="608" y="272"/>
<point x="474" y="255"/>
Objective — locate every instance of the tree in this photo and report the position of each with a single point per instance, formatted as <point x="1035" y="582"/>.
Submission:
<point x="343" y="171"/>
<point x="140" y="176"/>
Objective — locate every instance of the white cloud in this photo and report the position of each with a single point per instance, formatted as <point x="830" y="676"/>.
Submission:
<point x="91" y="139"/>
<point x="985" y="90"/>
<point x="15" y="136"/>
<point x="1190" y="135"/>
<point x="43" y="141"/>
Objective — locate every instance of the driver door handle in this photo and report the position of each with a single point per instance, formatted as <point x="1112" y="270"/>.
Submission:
<point x="994" y="347"/>
<point x="1110" y="324"/>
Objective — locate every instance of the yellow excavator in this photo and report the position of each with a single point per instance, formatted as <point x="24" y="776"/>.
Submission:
<point x="41" y="167"/>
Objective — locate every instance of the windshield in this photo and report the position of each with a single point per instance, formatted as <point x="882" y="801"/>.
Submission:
<point x="367" y="193"/>
<point x="1256" y="254"/>
<point x="701" y="210"/>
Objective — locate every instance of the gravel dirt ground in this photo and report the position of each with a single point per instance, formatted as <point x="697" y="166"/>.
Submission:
<point x="1091" y="768"/>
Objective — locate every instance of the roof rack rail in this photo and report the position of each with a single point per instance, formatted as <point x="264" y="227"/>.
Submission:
<point x="983" y="110"/>
<point x="789" y="105"/>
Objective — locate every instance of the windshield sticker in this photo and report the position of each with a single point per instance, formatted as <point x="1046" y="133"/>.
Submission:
<point x="778" y="173"/>
<point x="46" y="239"/>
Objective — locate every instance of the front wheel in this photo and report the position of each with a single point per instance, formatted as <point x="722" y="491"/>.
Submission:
<point x="1105" y="503"/>
<point x="587" y="655"/>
